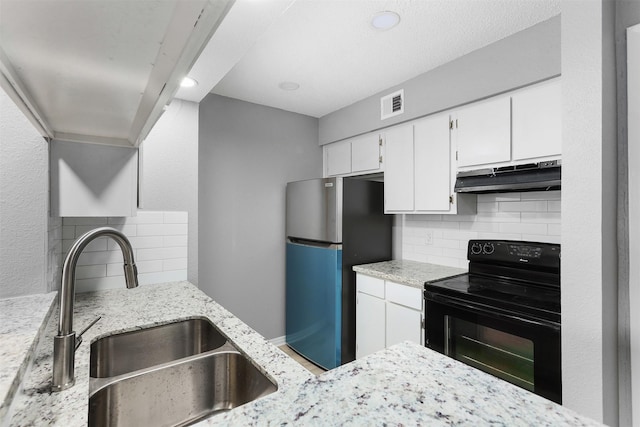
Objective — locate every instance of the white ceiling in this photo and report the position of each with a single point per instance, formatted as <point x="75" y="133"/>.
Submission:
<point x="100" y="70"/>
<point x="330" y="48"/>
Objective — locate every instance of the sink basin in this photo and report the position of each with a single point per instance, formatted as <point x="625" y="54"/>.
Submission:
<point x="179" y="393"/>
<point x="170" y="375"/>
<point x="130" y="351"/>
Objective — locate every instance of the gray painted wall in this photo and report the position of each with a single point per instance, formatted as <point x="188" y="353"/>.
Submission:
<point x="24" y="175"/>
<point x="247" y="154"/>
<point x="525" y="57"/>
<point x="169" y="170"/>
<point x="589" y="210"/>
<point x="627" y="15"/>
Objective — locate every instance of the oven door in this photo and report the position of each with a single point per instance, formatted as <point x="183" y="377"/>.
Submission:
<point x="519" y="349"/>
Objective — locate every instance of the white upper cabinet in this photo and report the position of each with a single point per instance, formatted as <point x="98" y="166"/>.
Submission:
<point x="398" y="176"/>
<point x="483" y="132"/>
<point x="365" y="153"/>
<point x="420" y="170"/>
<point x="433" y="164"/>
<point x="338" y="158"/>
<point x="537" y="121"/>
<point x="524" y="126"/>
<point x="356" y="156"/>
<point x="89" y="180"/>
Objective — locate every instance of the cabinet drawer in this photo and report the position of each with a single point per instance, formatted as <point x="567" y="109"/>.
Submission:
<point x="404" y="295"/>
<point x="370" y="285"/>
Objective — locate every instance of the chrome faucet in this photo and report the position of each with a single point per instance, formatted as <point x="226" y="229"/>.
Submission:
<point x="66" y="343"/>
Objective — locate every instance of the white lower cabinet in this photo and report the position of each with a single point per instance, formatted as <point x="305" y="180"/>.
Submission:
<point x="370" y="314"/>
<point x="387" y="313"/>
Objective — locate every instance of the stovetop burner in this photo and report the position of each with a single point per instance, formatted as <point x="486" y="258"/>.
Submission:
<point x="516" y="277"/>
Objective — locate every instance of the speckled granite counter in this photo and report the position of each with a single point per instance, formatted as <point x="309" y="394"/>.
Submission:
<point x="129" y="309"/>
<point x="410" y="273"/>
<point x="406" y="384"/>
<point x="22" y="319"/>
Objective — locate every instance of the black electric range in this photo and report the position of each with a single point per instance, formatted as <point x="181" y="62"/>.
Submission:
<point x="504" y="315"/>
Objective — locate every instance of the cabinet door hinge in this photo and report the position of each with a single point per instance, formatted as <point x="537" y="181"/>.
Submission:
<point x="456" y="123"/>
<point x="451" y="199"/>
<point x="422" y="323"/>
<point x="451" y="124"/>
<point x="380" y="141"/>
<point x="380" y="159"/>
<point x="456" y="155"/>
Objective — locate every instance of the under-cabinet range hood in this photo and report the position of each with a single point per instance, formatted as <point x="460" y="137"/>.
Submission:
<point x="529" y="177"/>
<point x="101" y="71"/>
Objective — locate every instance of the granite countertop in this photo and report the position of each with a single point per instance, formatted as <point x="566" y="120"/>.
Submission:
<point x="410" y="273"/>
<point x="404" y="384"/>
<point x="21" y="322"/>
<point x="130" y="309"/>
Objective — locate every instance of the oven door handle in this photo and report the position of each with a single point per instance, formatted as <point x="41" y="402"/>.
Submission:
<point x="487" y="310"/>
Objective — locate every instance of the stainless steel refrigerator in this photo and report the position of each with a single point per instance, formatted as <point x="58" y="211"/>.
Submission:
<point x="332" y="224"/>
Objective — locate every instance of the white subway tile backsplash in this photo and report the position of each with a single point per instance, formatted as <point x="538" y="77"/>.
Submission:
<point x="554" y="205"/>
<point x="138" y="242"/>
<point x="175" y="241"/>
<point x="68" y="232"/>
<point x="521" y="227"/>
<point x="176" y="217"/>
<point x="533" y="216"/>
<point x="540" y="195"/>
<point x="90" y="271"/>
<point x="554" y="229"/>
<point x="150" y="229"/>
<point x="101" y="257"/>
<point x="159" y="240"/>
<point x="527" y="206"/>
<point x="174" y="264"/>
<point x="175" y="229"/>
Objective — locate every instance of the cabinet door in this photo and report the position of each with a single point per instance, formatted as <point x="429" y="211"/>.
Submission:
<point x="338" y="158"/>
<point x="370" y="328"/>
<point x="432" y="162"/>
<point x="89" y="180"/>
<point x="483" y="132"/>
<point x="536" y="121"/>
<point x="398" y="169"/>
<point x="365" y="153"/>
<point x="403" y="324"/>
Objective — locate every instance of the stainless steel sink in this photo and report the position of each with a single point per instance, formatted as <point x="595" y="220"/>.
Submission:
<point x="170" y="375"/>
<point x="180" y="393"/>
<point x="130" y="351"/>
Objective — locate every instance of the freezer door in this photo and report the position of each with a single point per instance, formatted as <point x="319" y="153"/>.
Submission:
<point x="314" y="210"/>
<point x="314" y="302"/>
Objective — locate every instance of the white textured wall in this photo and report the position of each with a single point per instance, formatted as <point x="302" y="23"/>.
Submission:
<point x="589" y="280"/>
<point x="443" y="239"/>
<point x="170" y="169"/>
<point x="23" y="204"/>
<point x="159" y="241"/>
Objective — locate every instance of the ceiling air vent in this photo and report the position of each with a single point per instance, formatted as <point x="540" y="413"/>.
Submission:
<point x="392" y="104"/>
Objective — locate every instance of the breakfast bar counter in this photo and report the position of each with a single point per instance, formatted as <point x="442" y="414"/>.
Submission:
<point x="405" y="384"/>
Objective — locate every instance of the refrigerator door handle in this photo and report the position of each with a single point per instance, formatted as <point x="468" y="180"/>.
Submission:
<point x="314" y="243"/>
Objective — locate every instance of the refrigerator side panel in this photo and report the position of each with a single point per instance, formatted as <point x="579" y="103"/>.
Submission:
<point x="312" y="210"/>
<point x="313" y="303"/>
<point x="366" y="239"/>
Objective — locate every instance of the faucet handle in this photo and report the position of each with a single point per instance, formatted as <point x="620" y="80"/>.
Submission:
<point x="79" y="337"/>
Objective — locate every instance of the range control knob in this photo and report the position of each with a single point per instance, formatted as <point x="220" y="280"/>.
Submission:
<point x="488" y="248"/>
<point x="476" y="248"/>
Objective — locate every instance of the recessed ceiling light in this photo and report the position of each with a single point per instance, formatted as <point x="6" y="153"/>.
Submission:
<point x="385" y="20"/>
<point x="289" y="86"/>
<point x="188" y="82"/>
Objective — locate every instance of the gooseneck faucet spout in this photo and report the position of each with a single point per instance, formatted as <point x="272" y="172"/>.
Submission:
<point x="65" y="343"/>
